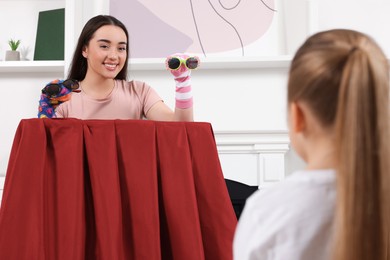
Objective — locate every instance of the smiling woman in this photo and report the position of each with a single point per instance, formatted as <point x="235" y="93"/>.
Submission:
<point x="99" y="65"/>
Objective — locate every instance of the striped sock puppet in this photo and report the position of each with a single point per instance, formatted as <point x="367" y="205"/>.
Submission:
<point x="180" y="66"/>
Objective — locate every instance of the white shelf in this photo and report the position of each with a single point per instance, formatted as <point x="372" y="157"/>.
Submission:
<point x="155" y="64"/>
<point x="31" y="66"/>
<point x="218" y="63"/>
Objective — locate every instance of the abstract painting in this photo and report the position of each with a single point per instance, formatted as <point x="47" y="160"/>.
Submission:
<point x="203" y="27"/>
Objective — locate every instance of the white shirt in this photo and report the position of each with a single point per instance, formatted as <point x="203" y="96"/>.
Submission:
<point x="290" y="220"/>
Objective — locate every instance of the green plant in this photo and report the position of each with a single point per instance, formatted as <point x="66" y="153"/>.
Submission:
<point x="14" y="44"/>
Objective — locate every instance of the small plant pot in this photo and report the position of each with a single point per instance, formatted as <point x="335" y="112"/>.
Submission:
<point x="12" y="55"/>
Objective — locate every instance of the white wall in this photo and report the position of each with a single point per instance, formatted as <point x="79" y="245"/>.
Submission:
<point x="369" y="16"/>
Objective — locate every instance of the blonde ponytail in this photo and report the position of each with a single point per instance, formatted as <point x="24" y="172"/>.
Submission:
<point x="360" y="136"/>
<point x="344" y="77"/>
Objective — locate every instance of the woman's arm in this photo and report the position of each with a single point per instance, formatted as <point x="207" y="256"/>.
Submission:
<point x="161" y="112"/>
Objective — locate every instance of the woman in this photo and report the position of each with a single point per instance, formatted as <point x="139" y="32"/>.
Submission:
<point x="99" y="65"/>
<point x="338" y="207"/>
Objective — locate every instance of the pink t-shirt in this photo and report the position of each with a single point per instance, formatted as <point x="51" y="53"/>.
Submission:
<point x="128" y="100"/>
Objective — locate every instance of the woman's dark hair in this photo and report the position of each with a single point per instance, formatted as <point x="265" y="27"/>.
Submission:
<point x="78" y="67"/>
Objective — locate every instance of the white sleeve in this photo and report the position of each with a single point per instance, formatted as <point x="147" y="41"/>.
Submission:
<point x="264" y="229"/>
<point x="251" y="236"/>
<point x="285" y="222"/>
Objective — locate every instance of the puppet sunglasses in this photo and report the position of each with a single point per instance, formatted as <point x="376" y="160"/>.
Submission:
<point x="54" y="89"/>
<point x="174" y="63"/>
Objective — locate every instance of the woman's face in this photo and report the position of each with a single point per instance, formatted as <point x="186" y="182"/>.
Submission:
<point x="106" y="52"/>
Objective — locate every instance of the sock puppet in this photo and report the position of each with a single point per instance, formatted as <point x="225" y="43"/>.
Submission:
<point x="55" y="93"/>
<point x="180" y="66"/>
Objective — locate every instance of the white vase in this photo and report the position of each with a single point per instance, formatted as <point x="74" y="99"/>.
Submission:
<point x="12" y="55"/>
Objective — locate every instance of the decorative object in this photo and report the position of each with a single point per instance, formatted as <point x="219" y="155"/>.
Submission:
<point x="203" y="28"/>
<point x="13" y="54"/>
<point x="49" y="43"/>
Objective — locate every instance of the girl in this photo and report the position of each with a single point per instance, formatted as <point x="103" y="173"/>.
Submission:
<point x="99" y="65"/>
<point x="338" y="207"/>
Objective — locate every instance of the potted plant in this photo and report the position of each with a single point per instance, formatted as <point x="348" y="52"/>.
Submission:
<point x="13" y="54"/>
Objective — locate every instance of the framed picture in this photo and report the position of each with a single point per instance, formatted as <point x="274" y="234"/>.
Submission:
<point x="212" y="28"/>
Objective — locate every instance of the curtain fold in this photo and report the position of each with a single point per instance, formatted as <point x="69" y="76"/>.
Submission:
<point x="182" y="226"/>
<point x="139" y="190"/>
<point x="62" y="204"/>
<point x="214" y="205"/>
<point x="115" y="189"/>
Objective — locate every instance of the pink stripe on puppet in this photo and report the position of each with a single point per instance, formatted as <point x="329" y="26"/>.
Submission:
<point x="183" y="104"/>
<point x="183" y="89"/>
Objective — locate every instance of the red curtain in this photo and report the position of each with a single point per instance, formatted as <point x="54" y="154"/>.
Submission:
<point x="115" y="189"/>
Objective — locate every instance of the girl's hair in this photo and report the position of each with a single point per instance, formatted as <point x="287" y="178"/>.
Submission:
<point x="78" y="67"/>
<point x="343" y="76"/>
